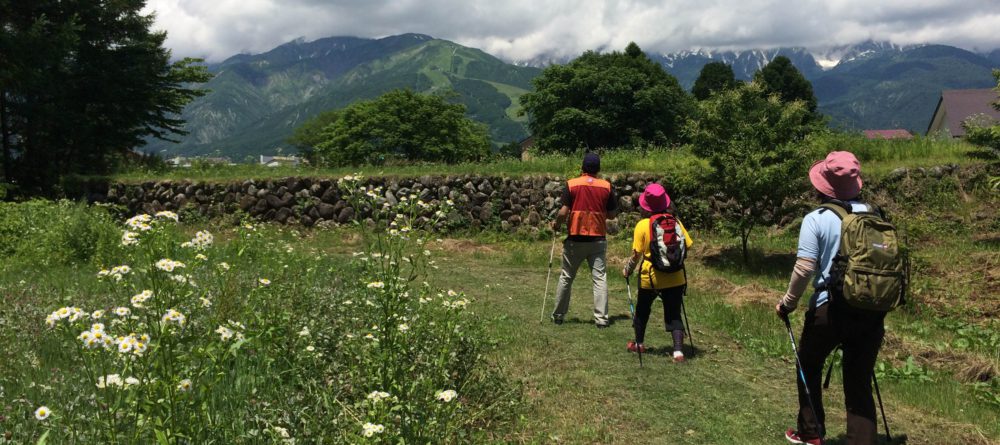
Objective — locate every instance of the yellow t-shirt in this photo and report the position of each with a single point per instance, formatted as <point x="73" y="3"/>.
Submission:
<point x="660" y="280"/>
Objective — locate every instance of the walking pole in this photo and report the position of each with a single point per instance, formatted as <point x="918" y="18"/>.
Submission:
<point x="552" y="251"/>
<point x="829" y="371"/>
<point x="687" y="326"/>
<point x="885" y="421"/>
<point x="631" y="309"/>
<point x="798" y="363"/>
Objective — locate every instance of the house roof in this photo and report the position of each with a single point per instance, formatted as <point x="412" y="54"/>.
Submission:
<point x="888" y="134"/>
<point x="957" y="105"/>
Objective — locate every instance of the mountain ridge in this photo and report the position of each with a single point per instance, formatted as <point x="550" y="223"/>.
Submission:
<point x="256" y="100"/>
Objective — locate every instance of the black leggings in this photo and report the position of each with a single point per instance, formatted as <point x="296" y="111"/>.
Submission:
<point x="672" y="298"/>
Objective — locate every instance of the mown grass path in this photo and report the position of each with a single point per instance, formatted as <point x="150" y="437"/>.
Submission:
<point x="581" y="385"/>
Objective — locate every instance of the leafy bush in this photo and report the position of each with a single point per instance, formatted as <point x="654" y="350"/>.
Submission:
<point x="61" y="232"/>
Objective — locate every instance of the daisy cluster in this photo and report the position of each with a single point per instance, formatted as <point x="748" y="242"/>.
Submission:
<point x="233" y="329"/>
<point x="203" y="239"/>
<point x="168" y="265"/>
<point x="117" y="272"/>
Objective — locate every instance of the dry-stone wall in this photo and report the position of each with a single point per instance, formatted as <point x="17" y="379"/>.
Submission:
<point x="478" y="201"/>
<point x="500" y="202"/>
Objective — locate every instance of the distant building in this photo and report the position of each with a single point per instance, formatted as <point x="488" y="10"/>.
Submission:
<point x="278" y="161"/>
<point x="888" y="134"/>
<point x="182" y="162"/>
<point x="526" y="144"/>
<point x="956" y="106"/>
<point x="179" y="161"/>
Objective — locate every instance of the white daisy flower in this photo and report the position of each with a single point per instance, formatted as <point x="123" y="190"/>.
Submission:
<point x="446" y="396"/>
<point x="42" y="413"/>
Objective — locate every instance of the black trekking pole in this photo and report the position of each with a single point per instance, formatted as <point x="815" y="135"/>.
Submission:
<point x="798" y="365"/>
<point x="885" y="421"/>
<point x="631" y="309"/>
<point x="829" y="371"/>
<point x="687" y="326"/>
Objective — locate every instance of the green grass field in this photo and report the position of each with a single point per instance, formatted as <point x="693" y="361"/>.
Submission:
<point x="518" y="379"/>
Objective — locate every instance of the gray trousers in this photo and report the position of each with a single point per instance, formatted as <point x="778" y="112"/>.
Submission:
<point x="574" y="253"/>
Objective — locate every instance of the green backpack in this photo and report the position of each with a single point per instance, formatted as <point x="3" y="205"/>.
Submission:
<point x="870" y="269"/>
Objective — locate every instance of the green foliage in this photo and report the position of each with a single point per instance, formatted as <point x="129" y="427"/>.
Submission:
<point x="310" y="134"/>
<point x="753" y="142"/>
<point x="402" y="126"/>
<point x="714" y="77"/>
<point x="985" y="134"/>
<point x="782" y="78"/>
<point x="46" y="233"/>
<point x="606" y="101"/>
<point x="82" y="85"/>
<point x="910" y="370"/>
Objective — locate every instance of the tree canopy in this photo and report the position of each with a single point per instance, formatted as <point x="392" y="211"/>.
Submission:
<point x="752" y="141"/>
<point x="401" y="126"/>
<point x="81" y="85"/>
<point x="606" y="101"/>
<point x="782" y="78"/>
<point x="714" y="77"/>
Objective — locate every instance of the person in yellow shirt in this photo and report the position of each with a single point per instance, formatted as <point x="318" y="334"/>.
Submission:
<point x="669" y="286"/>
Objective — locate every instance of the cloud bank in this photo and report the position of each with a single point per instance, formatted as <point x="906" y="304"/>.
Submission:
<point x="526" y="29"/>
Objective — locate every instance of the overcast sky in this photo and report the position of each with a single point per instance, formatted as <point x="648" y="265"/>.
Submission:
<point x="523" y="29"/>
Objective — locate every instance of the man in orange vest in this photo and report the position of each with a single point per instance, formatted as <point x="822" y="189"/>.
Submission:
<point x="588" y="202"/>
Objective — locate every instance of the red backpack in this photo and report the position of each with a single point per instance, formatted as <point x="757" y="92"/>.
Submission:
<point x="666" y="244"/>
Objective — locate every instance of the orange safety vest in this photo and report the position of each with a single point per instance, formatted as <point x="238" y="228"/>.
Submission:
<point x="588" y="216"/>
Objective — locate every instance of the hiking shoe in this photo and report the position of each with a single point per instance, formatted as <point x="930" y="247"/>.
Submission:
<point x="793" y="437"/>
<point x="678" y="356"/>
<point x="557" y="319"/>
<point x="632" y="346"/>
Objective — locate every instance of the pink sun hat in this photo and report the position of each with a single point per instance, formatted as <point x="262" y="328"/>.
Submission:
<point x="838" y="176"/>
<point x="654" y="199"/>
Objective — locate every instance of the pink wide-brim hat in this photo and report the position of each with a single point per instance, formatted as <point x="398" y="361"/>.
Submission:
<point x="838" y="176"/>
<point x="654" y="199"/>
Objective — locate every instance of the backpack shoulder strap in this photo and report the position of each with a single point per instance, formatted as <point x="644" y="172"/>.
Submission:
<point x="836" y="208"/>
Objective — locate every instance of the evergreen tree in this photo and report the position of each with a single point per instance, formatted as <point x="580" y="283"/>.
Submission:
<point x="714" y="77"/>
<point x="81" y="84"/>
<point x="782" y="78"/>
<point x="606" y="101"/>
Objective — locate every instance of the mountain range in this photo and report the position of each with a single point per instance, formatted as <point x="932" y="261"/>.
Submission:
<point x="256" y="101"/>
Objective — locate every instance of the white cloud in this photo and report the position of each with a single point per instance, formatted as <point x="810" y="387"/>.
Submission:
<point x="522" y="29"/>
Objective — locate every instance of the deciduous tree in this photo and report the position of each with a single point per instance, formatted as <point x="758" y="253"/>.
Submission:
<point x="752" y="141"/>
<point x="606" y="101"/>
<point x="402" y="125"/>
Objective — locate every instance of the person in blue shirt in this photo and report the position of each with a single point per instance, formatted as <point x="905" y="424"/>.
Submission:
<point x="829" y="323"/>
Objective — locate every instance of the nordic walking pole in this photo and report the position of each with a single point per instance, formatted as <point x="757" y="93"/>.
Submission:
<point x="829" y="371"/>
<point x="631" y="309"/>
<point x="798" y="363"/>
<point x="687" y="326"/>
<point x="888" y="437"/>
<point x="552" y="252"/>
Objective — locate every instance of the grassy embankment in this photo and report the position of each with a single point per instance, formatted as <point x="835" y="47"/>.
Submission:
<point x="878" y="157"/>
